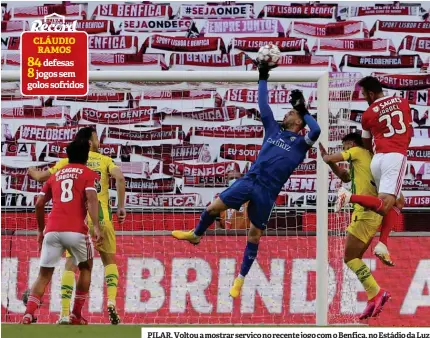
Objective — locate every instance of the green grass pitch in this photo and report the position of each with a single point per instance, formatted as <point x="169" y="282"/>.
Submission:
<point x="57" y="331"/>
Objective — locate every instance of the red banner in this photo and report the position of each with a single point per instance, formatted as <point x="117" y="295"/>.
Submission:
<point x="251" y="96"/>
<point x="417" y="201"/>
<point x="11" y="43"/>
<point x="240" y="152"/>
<point x="41" y="11"/>
<point x="133" y="10"/>
<point x="219" y="114"/>
<point x="306" y="168"/>
<point x="6" y="170"/>
<point x="210" y="60"/>
<point x="308" y="184"/>
<point x="124" y="116"/>
<point x="308" y="61"/>
<point x="94" y="26"/>
<point x="113" y="42"/>
<point x="416" y="43"/>
<point x="401" y="61"/>
<point x="158" y="272"/>
<point x="112" y="59"/>
<point x="325" y="30"/>
<point x="98" y="96"/>
<point x="216" y="11"/>
<point x="58" y="149"/>
<point x="147" y="186"/>
<point x="182" y="44"/>
<point x="23" y="150"/>
<point x="157" y="25"/>
<point x="243" y="26"/>
<point x="402" y="26"/>
<point x="419" y="153"/>
<point x="284" y="44"/>
<point x="404" y="82"/>
<point x="384" y="10"/>
<point x="14" y="26"/>
<point x="31" y="112"/>
<point x="175" y="95"/>
<point x="23" y="183"/>
<point x="416" y="185"/>
<point x="252" y="131"/>
<point x="173" y="152"/>
<point x="163" y="133"/>
<point x="166" y="200"/>
<point x="362" y="45"/>
<point x="48" y="133"/>
<point x="176" y="169"/>
<point x="299" y="11"/>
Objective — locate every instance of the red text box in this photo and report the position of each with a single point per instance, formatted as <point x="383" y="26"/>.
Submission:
<point x="54" y="63"/>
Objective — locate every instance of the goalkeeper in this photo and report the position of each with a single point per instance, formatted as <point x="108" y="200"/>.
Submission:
<point x="282" y="151"/>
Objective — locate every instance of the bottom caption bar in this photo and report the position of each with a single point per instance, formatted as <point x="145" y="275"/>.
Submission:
<point x="287" y="332"/>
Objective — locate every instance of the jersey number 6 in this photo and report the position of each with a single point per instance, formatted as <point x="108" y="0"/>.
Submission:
<point x="66" y="190"/>
<point x="389" y="119"/>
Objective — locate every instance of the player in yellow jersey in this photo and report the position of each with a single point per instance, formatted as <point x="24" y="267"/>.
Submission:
<point x="364" y="223"/>
<point x="105" y="167"/>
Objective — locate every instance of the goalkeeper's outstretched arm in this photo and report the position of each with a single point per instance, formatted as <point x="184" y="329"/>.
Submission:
<point x="314" y="128"/>
<point x="266" y="112"/>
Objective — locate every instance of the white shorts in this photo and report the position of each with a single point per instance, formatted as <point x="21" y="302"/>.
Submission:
<point x="55" y="243"/>
<point x="388" y="170"/>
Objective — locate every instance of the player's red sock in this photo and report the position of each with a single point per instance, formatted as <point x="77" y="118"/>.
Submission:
<point x="80" y="298"/>
<point x="389" y="221"/>
<point x="367" y="201"/>
<point x="33" y="303"/>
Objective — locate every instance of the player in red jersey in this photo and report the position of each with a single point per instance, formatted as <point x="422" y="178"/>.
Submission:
<point x="388" y="119"/>
<point x="72" y="190"/>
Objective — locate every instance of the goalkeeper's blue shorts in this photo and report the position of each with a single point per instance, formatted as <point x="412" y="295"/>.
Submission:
<point x="261" y="199"/>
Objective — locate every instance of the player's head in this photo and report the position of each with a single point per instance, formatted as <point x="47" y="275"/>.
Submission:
<point x="352" y="140"/>
<point x="77" y="151"/>
<point x="88" y="134"/>
<point x="371" y="89"/>
<point x="293" y="121"/>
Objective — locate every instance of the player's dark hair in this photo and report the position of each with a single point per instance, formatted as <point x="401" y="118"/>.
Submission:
<point x="354" y="137"/>
<point x="77" y="151"/>
<point x="371" y="84"/>
<point x="85" y="134"/>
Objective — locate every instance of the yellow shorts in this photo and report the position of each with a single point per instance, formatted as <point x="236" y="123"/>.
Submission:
<point x="109" y="239"/>
<point x="364" y="228"/>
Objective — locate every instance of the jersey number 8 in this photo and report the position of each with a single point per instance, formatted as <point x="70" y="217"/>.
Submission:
<point x="66" y="191"/>
<point x="389" y="118"/>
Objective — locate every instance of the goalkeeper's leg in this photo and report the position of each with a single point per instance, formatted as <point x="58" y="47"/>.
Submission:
<point x="249" y="256"/>
<point x="206" y="219"/>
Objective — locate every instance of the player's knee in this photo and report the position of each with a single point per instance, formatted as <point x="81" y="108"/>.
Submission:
<point x="213" y="211"/>
<point x="400" y="202"/>
<point x="254" y="235"/>
<point x="86" y="266"/>
<point x="107" y="258"/>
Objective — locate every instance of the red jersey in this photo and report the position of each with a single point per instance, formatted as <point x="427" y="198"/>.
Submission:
<point x="67" y="189"/>
<point x="390" y="122"/>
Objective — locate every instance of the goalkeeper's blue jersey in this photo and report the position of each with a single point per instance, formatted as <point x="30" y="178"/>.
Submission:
<point x="282" y="150"/>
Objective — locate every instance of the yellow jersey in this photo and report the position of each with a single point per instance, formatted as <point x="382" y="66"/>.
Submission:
<point x="361" y="178"/>
<point x="102" y="165"/>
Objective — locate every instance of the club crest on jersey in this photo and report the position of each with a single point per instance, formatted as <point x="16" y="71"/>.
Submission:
<point x="292" y="138"/>
<point x="376" y="109"/>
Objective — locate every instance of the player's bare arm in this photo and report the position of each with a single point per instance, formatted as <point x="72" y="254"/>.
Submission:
<point x="367" y="140"/>
<point x="93" y="210"/>
<point x="331" y="160"/>
<point x="40" y="218"/>
<point x="38" y="175"/>
<point x="117" y="174"/>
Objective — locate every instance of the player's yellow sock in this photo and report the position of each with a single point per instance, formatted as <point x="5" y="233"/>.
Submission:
<point x="67" y="284"/>
<point x="111" y="277"/>
<point x="364" y="276"/>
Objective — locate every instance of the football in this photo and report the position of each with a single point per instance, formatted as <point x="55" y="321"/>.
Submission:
<point x="269" y="53"/>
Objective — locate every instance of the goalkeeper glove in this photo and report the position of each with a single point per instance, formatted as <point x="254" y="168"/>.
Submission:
<point x="298" y="102"/>
<point x="263" y="69"/>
